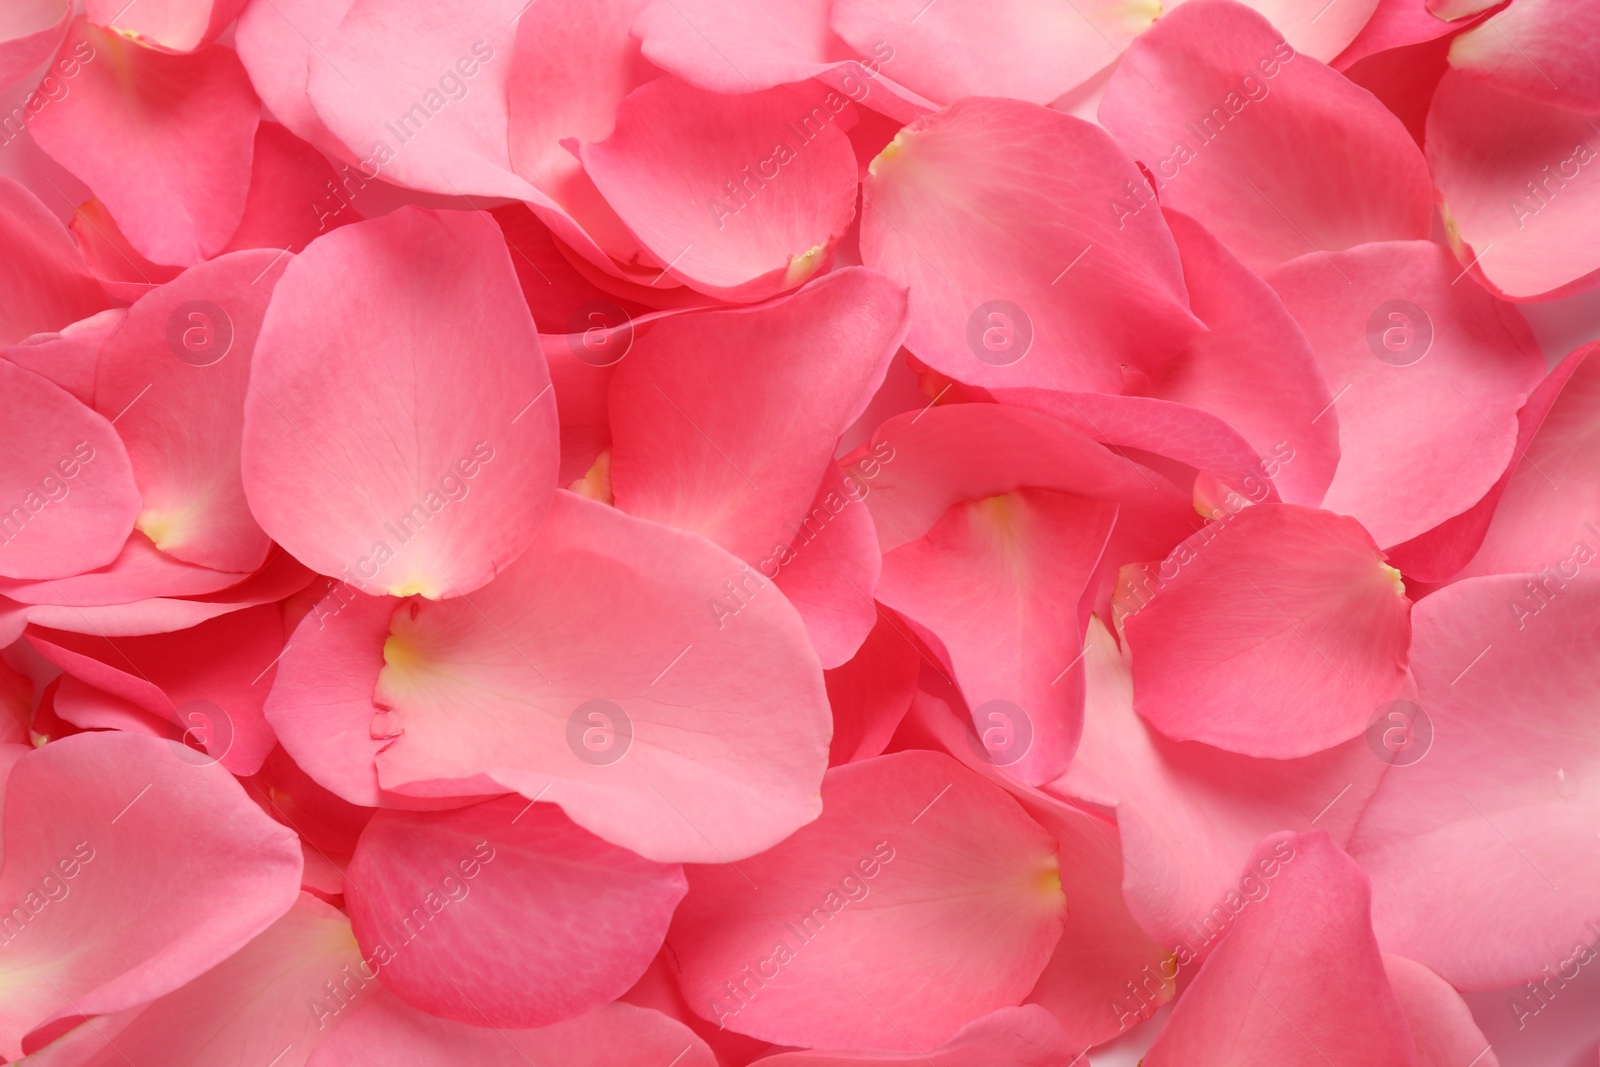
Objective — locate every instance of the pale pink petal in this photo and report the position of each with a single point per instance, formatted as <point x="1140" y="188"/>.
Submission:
<point x="1428" y="375"/>
<point x="1253" y="367"/>
<point x="615" y="692"/>
<point x="275" y="40"/>
<point x="386" y="1033"/>
<point x="48" y="286"/>
<point x="174" y="376"/>
<point x="397" y="431"/>
<point x="267" y="1003"/>
<point x="1029" y="50"/>
<point x="1441" y="1023"/>
<point x="745" y="474"/>
<point x="1189" y="815"/>
<point x="140" y="571"/>
<point x="418" y="90"/>
<point x="1394" y="24"/>
<point x="1536" y="49"/>
<point x="1006" y="585"/>
<point x="740" y="197"/>
<point x="922" y="898"/>
<point x="1276" y="632"/>
<point x="1299" y="980"/>
<point x="1551" y="496"/>
<point x="1515" y="179"/>
<point x="1015" y="1037"/>
<point x="67" y="493"/>
<point x="1270" y="150"/>
<point x="172" y="160"/>
<point x="117" y="825"/>
<point x="169" y="25"/>
<point x="505" y="913"/>
<point x="1021" y="267"/>
<point x="1480" y="851"/>
<point x="30" y="30"/>
<point x="1315" y="27"/>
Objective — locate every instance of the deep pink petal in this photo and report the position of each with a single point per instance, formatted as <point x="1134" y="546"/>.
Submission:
<point x="172" y="160"/>
<point x="1021" y="271"/>
<point x="505" y="913"/>
<point x="1006" y="584"/>
<point x="829" y="572"/>
<point x="922" y="898"/>
<point x="745" y="474"/>
<point x="1254" y="368"/>
<point x="1429" y="376"/>
<point x="1016" y="1037"/>
<point x="666" y="171"/>
<point x="295" y="194"/>
<point x="1278" y="632"/>
<point x="872" y="692"/>
<point x="47" y="283"/>
<point x="397" y="432"/>
<point x="113" y="824"/>
<point x="1270" y="150"/>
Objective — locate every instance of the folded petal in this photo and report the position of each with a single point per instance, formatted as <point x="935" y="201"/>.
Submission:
<point x="595" y="675"/>
<point x="200" y="679"/>
<point x="275" y="41"/>
<point x="67" y="492"/>
<point x="1313" y="29"/>
<point x="922" y="898"/>
<point x="505" y="913"/>
<point x="1299" y="979"/>
<point x="1441" y="1022"/>
<point x="47" y="283"/>
<point x="294" y="194"/>
<point x="172" y="160"/>
<point x="740" y="197"/>
<point x="1276" y="632"/>
<point x="386" y="1032"/>
<point x="830" y="570"/>
<point x="1429" y="376"/>
<point x="1270" y="150"/>
<point x="1479" y="852"/>
<point x="69" y="356"/>
<point x="397" y="432"/>
<point x="1534" y="49"/>
<point x="1254" y="368"/>
<point x="1023" y="265"/>
<point x="745" y="474"/>
<point x="871" y="692"/>
<point x="1514" y="177"/>
<point x="1023" y="49"/>
<point x="114" y="824"/>
<point x="29" y="33"/>
<point x="1006" y="585"/>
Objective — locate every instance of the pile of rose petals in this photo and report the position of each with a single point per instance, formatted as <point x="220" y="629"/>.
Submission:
<point x="679" y="533"/>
